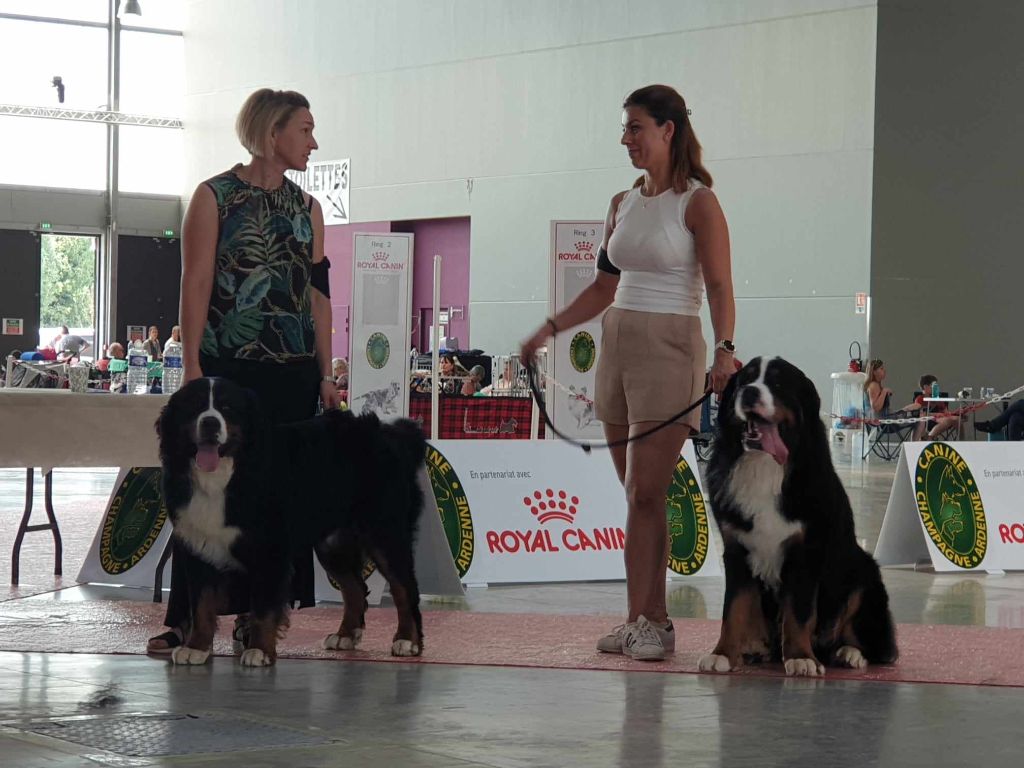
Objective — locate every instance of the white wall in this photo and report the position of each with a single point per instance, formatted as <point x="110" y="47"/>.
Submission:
<point x="521" y="97"/>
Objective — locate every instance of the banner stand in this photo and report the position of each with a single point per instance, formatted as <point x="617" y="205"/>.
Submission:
<point x="956" y="507"/>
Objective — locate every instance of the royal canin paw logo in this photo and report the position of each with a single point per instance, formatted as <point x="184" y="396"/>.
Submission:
<point x="585" y="245"/>
<point x="552" y="505"/>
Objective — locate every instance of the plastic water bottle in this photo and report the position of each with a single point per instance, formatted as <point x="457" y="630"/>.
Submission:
<point x="935" y="389"/>
<point x="172" y="368"/>
<point x="138" y="370"/>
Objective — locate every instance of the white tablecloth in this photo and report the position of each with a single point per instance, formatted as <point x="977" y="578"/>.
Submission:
<point x="49" y="428"/>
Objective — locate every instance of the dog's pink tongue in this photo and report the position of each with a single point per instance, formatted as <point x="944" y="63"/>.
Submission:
<point x="771" y="442"/>
<point x="207" y="458"/>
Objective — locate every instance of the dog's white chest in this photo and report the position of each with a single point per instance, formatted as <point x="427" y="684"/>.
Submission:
<point x="755" y="486"/>
<point x="201" y="525"/>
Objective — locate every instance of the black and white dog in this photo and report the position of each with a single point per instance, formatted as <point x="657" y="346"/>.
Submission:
<point x="798" y="587"/>
<point x="243" y="497"/>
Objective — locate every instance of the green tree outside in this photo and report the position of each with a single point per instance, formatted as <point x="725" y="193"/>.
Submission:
<point x="68" y="279"/>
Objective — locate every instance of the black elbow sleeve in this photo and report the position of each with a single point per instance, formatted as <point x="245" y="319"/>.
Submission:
<point x="604" y="263"/>
<point x="318" y="277"/>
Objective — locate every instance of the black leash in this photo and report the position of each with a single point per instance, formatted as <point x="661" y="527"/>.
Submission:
<point x="534" y="379"/>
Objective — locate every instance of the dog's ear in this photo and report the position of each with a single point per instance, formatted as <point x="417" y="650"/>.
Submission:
<point x="168" y="430"/>
<point x="810" y="401"/>
<point x="726" y="401"/>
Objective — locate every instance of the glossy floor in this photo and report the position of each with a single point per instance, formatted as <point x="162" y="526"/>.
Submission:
<point x="352" y="713"/>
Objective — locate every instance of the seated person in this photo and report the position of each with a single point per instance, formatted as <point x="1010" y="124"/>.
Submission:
<point x="472" y="383"/>
<point x="339" y="369"/>
<point x="1012" y="419"/>
<point x="451" y="375"/>
<point x="510" y="379"/>
<point x="152" y="344"/>
<point x="876" y="395"/>
<point x="940" y="423"/>
<point x="175" y="337"/>
<point x="114" y="352"/>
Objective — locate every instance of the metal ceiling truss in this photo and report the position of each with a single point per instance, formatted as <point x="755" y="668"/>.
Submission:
<point x="89" y="116"/>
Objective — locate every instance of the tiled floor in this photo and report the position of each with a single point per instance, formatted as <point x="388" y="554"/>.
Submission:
<point x="431" y="715"/>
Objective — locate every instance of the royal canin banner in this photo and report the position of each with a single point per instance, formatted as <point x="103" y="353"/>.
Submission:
<point x="538" y="511"/>
<point x="573" y="353"/>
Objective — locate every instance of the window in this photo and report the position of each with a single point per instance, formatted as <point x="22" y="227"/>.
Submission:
<point x="152" y="160"/>
<point x="53" y="153"/>
<point x="76" y="10"/>
<point x="152" y="74"/>
<point x="33" y="53"/>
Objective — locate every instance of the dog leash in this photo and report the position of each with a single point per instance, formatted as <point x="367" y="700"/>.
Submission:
<point x="534" y="380"/>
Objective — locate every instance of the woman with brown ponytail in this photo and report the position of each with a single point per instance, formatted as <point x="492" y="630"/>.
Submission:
<point x="665" y="241"/>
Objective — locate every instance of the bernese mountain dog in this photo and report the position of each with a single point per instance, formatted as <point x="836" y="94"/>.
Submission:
<point x="798" y="587"/>
<point x="244" y="496"/>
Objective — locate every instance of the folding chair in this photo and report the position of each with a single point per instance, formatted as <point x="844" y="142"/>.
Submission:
<point x="884" y="440"/>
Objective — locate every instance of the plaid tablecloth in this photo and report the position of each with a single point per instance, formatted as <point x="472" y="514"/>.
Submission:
<point x="476" y="418"/>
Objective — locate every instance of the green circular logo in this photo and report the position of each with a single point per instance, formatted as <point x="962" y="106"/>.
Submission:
<point x="134" y="521"/>
<point x="950" y="506"/>
<point x="687" y="522"/>
<point x="453" y="506"/>
<point x="378" y="350"/>
<point x="582" y="351"/>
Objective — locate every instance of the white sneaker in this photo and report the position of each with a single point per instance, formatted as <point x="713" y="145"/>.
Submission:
<point x="642" y="641"/>
<point x="613" y="641"/>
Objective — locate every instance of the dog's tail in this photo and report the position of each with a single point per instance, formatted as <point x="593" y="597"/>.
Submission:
<point x="410" y="442"/>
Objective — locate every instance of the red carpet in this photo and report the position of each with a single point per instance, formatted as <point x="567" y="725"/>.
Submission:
<point x="929" y="654"/>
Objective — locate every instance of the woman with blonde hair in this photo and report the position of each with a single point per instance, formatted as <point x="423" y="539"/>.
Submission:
<point x="255" y="298"/>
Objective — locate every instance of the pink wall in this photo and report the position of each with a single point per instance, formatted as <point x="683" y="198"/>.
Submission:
<point x="448" y="237"/>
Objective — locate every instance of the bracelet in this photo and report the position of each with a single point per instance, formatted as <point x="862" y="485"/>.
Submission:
<point x="554" y="328"/>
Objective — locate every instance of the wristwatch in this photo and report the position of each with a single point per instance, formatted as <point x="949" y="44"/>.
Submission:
<point x="329" y="379"/>
<point x="727" y="345"/>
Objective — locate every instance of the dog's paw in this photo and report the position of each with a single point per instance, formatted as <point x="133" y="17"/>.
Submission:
<point x="254" y="657"/>
<point x="712" y="662"/>
<point x="804" y="668"/>
<point x="849" y="656"/>
<point x="405" y="648"/>
<point x="189" y="656"/>
<point x="338" y="642"/>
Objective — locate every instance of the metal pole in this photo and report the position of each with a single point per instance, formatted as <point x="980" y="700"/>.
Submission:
<point x="435" y="356"/>
<point x="106" y="330"/>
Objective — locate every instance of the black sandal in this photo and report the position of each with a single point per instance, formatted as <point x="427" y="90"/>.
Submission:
<point x="171" y="639"/>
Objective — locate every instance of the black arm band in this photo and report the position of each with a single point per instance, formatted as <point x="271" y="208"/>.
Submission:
<point x="605" y="264"/>
<point x="318" y="277"/>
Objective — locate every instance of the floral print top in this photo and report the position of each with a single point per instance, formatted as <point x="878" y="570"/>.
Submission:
<point x="261" y="303"/>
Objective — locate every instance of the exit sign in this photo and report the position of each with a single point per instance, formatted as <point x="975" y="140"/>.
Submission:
<point x="45" y="225"/>
<point x="168" y="233"/>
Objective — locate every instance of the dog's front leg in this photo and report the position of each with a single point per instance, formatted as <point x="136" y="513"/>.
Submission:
<point x="203" y="601"/>
<point x="798" y="599"/>
<point x="743" y="627"/>
<point x="269" y="617"/>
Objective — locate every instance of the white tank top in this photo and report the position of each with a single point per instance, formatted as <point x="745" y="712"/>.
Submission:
<point x="656" y="253"/>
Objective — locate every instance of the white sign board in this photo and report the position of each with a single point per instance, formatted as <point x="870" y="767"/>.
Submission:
<point x="14" y="326"/>
<point x="378" y="368"/>
<point x="958" y="505"/>
<point x="328" y="181"/>
<point x="574" y="246"/>
<point x="539" y="511"/>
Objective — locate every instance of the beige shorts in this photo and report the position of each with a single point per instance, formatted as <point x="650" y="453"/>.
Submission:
<point x="650" y="368"/>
